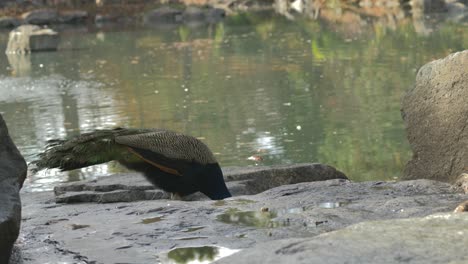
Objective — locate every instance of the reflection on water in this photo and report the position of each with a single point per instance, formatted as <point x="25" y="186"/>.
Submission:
<point x="151" y="220"/>
<point x="287" y="91"/>
<point x="193" y="229"/>
<point x="198" y="255"/>
<point x="249" y="218"/>
<point x="331" y="205"/>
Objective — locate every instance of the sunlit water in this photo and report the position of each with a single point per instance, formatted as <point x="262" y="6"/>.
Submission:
<point x="287" y="91"/>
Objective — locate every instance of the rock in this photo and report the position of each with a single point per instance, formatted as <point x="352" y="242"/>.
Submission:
<point x="429" y="6"/>
<point x="30" y="38"/>
<point x="214" y="15"/>
<point x="258" y="179"/>
<point x="435" y="113"/>
<point x="462" y="182"/>
<point x="9" y="22"/>
<point x="12" y="174"/>
<point x="73" y="17"/>
<point x="163" y="15"/>
<point x="102" y="18"/>
<point x="456" y="7"/>
<point x="457" y="12"/>
<point x="193" y="13"/>
<point x="41" y="17"/>
<point x="436" y="238"/>
<point x="240" y="181"/>
<point x="137" y="232"/>
<point x="463" y="207"/>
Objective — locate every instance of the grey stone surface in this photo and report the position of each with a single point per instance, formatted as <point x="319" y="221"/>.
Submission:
<point x="129" y="187"/>
<point x="193" y="13"/>
<point x="440" y="238"/>
<point x="12" y="174"/>
<point x="73" y="16"/>
<point x="144" y="231"/>
<point x="31" y="38"/>
<point x="214" y="15"/>
<point x="436" y="118"/>
<point x="9" y="22"/>
<point x="41" y="17"/>
<point x="163" y="15"/>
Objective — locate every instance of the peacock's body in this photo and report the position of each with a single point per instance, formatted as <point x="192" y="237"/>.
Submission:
<point x="174" y="162"/>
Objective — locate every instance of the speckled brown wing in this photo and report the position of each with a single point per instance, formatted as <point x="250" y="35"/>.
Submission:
<point x="170" y="151"/>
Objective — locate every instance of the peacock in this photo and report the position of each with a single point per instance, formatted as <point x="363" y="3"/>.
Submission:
<point x="175" y="162"/>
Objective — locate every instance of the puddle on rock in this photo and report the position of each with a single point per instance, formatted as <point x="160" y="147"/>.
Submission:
<point x="152" y="220"/>
<point x="382" y="187"/>
<point x="249" y="218"/>
<point x="193" y="229"/>
<point x="198" y="255"/>
<point x="331" y="205"/>
<point x="294" y="210"/>
<point x="190" y="238"/>
<point x="220" y="203"/>
<point x="237" y="201"/>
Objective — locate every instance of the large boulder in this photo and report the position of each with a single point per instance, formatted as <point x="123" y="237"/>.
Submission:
<point x="12" y="174"/>
<point x="435" y="112"/>
<point x="30" y="38"/>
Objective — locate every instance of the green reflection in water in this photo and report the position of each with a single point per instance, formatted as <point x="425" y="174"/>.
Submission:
<point x="249" y="218"/>
<point x="289" y="91"/>
<point x="236" y="201"/>
<point x="332" y="205"/>
<point x="193" y="229"/>
<point x="198" y="254"/>
<point x="152" y="220"/>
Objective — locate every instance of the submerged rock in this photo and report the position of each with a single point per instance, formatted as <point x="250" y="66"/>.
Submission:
<point x="147" y="231"/>
<point x="435" y="112"/>
<point x="30" y="38"/>
<point x="12" y="174"/>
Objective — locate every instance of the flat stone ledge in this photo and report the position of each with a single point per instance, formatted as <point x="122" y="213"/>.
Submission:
<point x="129" y="187"/>
<point x="439" y="238"/>
<point x="144" y="231"/>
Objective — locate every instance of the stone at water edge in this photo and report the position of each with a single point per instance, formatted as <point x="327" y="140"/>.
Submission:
<point x="13" y="170"/>
<point x="440" y="238"/>
<point x="435" y="112"/>
<point x="41" y="17"/>
<point x="30" y="38"/>
<point x="9" y="22"/>
<point x="163" y="15"/>
<point x="240" y="181"/>
<point x="137" y="232"/>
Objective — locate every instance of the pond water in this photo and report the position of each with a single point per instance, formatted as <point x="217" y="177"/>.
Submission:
<point x="254" y="85"/>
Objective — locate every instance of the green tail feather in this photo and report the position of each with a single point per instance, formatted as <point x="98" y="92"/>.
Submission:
<point x="85" y="150"/>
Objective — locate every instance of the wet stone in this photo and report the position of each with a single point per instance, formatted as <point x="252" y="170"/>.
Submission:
<point x="197" y="254"/>
<point x="240" y="222"/>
